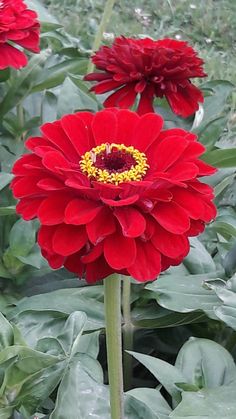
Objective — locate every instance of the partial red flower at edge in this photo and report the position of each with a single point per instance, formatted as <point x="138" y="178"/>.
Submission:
<point x="114" y="193"/>
<point x="150" y="69"/>
<point x="18" y="26"/>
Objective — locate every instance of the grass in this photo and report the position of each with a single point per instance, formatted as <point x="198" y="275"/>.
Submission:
<point x="209" y="25"/>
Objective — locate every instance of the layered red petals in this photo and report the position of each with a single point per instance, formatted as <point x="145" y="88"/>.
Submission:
<point x="149" y="68"/>
<point x="94" y="228"/>
<point x="18" y="26"/>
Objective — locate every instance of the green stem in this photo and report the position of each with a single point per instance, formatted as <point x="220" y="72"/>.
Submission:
<point x="105" y="19"/>
<point x="127" y="334"/>
<point x="21" y="120"/>
<point x="112" y="299"/>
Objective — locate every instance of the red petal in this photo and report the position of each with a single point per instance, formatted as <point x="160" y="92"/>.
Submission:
<point x="25" y="186"/>
<point x="77" y="133"/>
<point x="169" y="244"/>
<point x="127" y="122"/>
<point x="169" y="151"/>
<point x="104" y="127"/>
<point x="11" y="57"/>
<point x="50" y="184"/>
<point x="73" y="264"/>
<point x="131" y="220"/>
<point x="127" y="201"/>
<point x="81" y="211"/>
<point x="28" y="207"/>
<point x="52" y="209"/>
<point x="146" y="131"/>
<point x="191" y="202"/>
<point x="147" y="264"/>
<point x="102" y="225"/>
<point x="55" y="161"/>
<point x="68" y="239"/>
<point x="119" y="251"/>
<point x="93" y="254"/>
<point x="54" y="133"/>
<point x="45" y="235"/>
<point x="171" y="217"/>
<point x="98" y="270"/>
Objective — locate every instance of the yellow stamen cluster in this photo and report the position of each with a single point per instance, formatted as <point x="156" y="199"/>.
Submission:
<point x="135" y="173"/>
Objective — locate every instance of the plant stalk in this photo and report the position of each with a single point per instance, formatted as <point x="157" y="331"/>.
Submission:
<point x="127" y="334"/>
<point x="105" y="19"/>
<point x="112" y="299"/>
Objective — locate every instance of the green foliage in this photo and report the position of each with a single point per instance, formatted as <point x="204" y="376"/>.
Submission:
<point x="52" y="348"/>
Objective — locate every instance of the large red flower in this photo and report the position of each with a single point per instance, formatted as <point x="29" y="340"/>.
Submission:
<point x="18" y="25"/>
<point x="114" y="193"/>
<point x="148" y="68"/>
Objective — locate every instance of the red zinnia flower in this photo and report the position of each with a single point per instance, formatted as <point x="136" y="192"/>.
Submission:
<point x="114" y="193"/>
<point x="18" y="25"/>
<point x="148" y="68"/>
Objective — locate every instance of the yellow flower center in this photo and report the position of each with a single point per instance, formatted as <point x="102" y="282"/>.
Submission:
<point x="114" y="163"/>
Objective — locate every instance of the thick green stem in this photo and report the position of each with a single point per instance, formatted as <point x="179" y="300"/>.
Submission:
<point x="102" y="27"/>
<point x="127" y="334"/>
<point x="112" y="298"/>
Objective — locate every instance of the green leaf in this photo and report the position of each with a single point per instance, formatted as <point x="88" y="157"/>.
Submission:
<point x="221" y="157"/>
<point x="226" y="311"/>
<point x="185" y="294"/>
<point x="71" y="332"/>
<point x="22" y="237"/>
<point x="5" y="179"/>
<point x="197" y="360"/>
<point x="217" y="403"/>
<point x="198" y="261"/>
<point x="93" y="397"/>
<point x="154" y="316"/>
<point x="72" y="98"/>
<point x="211" y="132"/>
<point x="56" y="74"/>
<point x="64" y="301"/>
<point x="21" y="86"/>
<point x="4" y="75"/>
<point x="227" y="230"/>
<point x="152" y="404"/>
<point x="6" y="333"/>
<point x="167" y="374"/>
<point x="214" y="104"/>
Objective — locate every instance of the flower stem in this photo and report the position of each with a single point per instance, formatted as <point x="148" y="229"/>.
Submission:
<point x="127" y="333"/>
<point x="112" y="298"/>
<point x="105" y="19"/>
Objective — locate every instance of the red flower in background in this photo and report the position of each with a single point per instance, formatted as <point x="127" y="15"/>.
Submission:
<point x="151" y="69"/>
<point x="18" y="25"/>
<point x="114" y="193"/>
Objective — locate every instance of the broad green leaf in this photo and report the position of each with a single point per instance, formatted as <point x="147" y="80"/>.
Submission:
<point x="167" y="374"/>
<point x="4" y="74"/>
<point x="154" y="316"/>
<point x="217" y="403"/>
<point x="152" y="404"/>
<point x="71" y="332"/>
<point x="197" y="360"/>
<point x="22" y="237"/>
<point x="224" y="228"/>
<point x="211" y="132"/>
<point x="64" y="301"/>
<point x="5" y="179"/>
<point x="80" y="395"/>
<point x="198" y="261"/>
<point x="72" y="98"/>
<point x="221" y="157"/>
<point x="55" y="75"/>
<point x="6" y="333"/>
<point x="226" y="311"/>
<point x="229" y="261"/>
<point x="185" y="294"/>
<point x="214" y="104"/>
